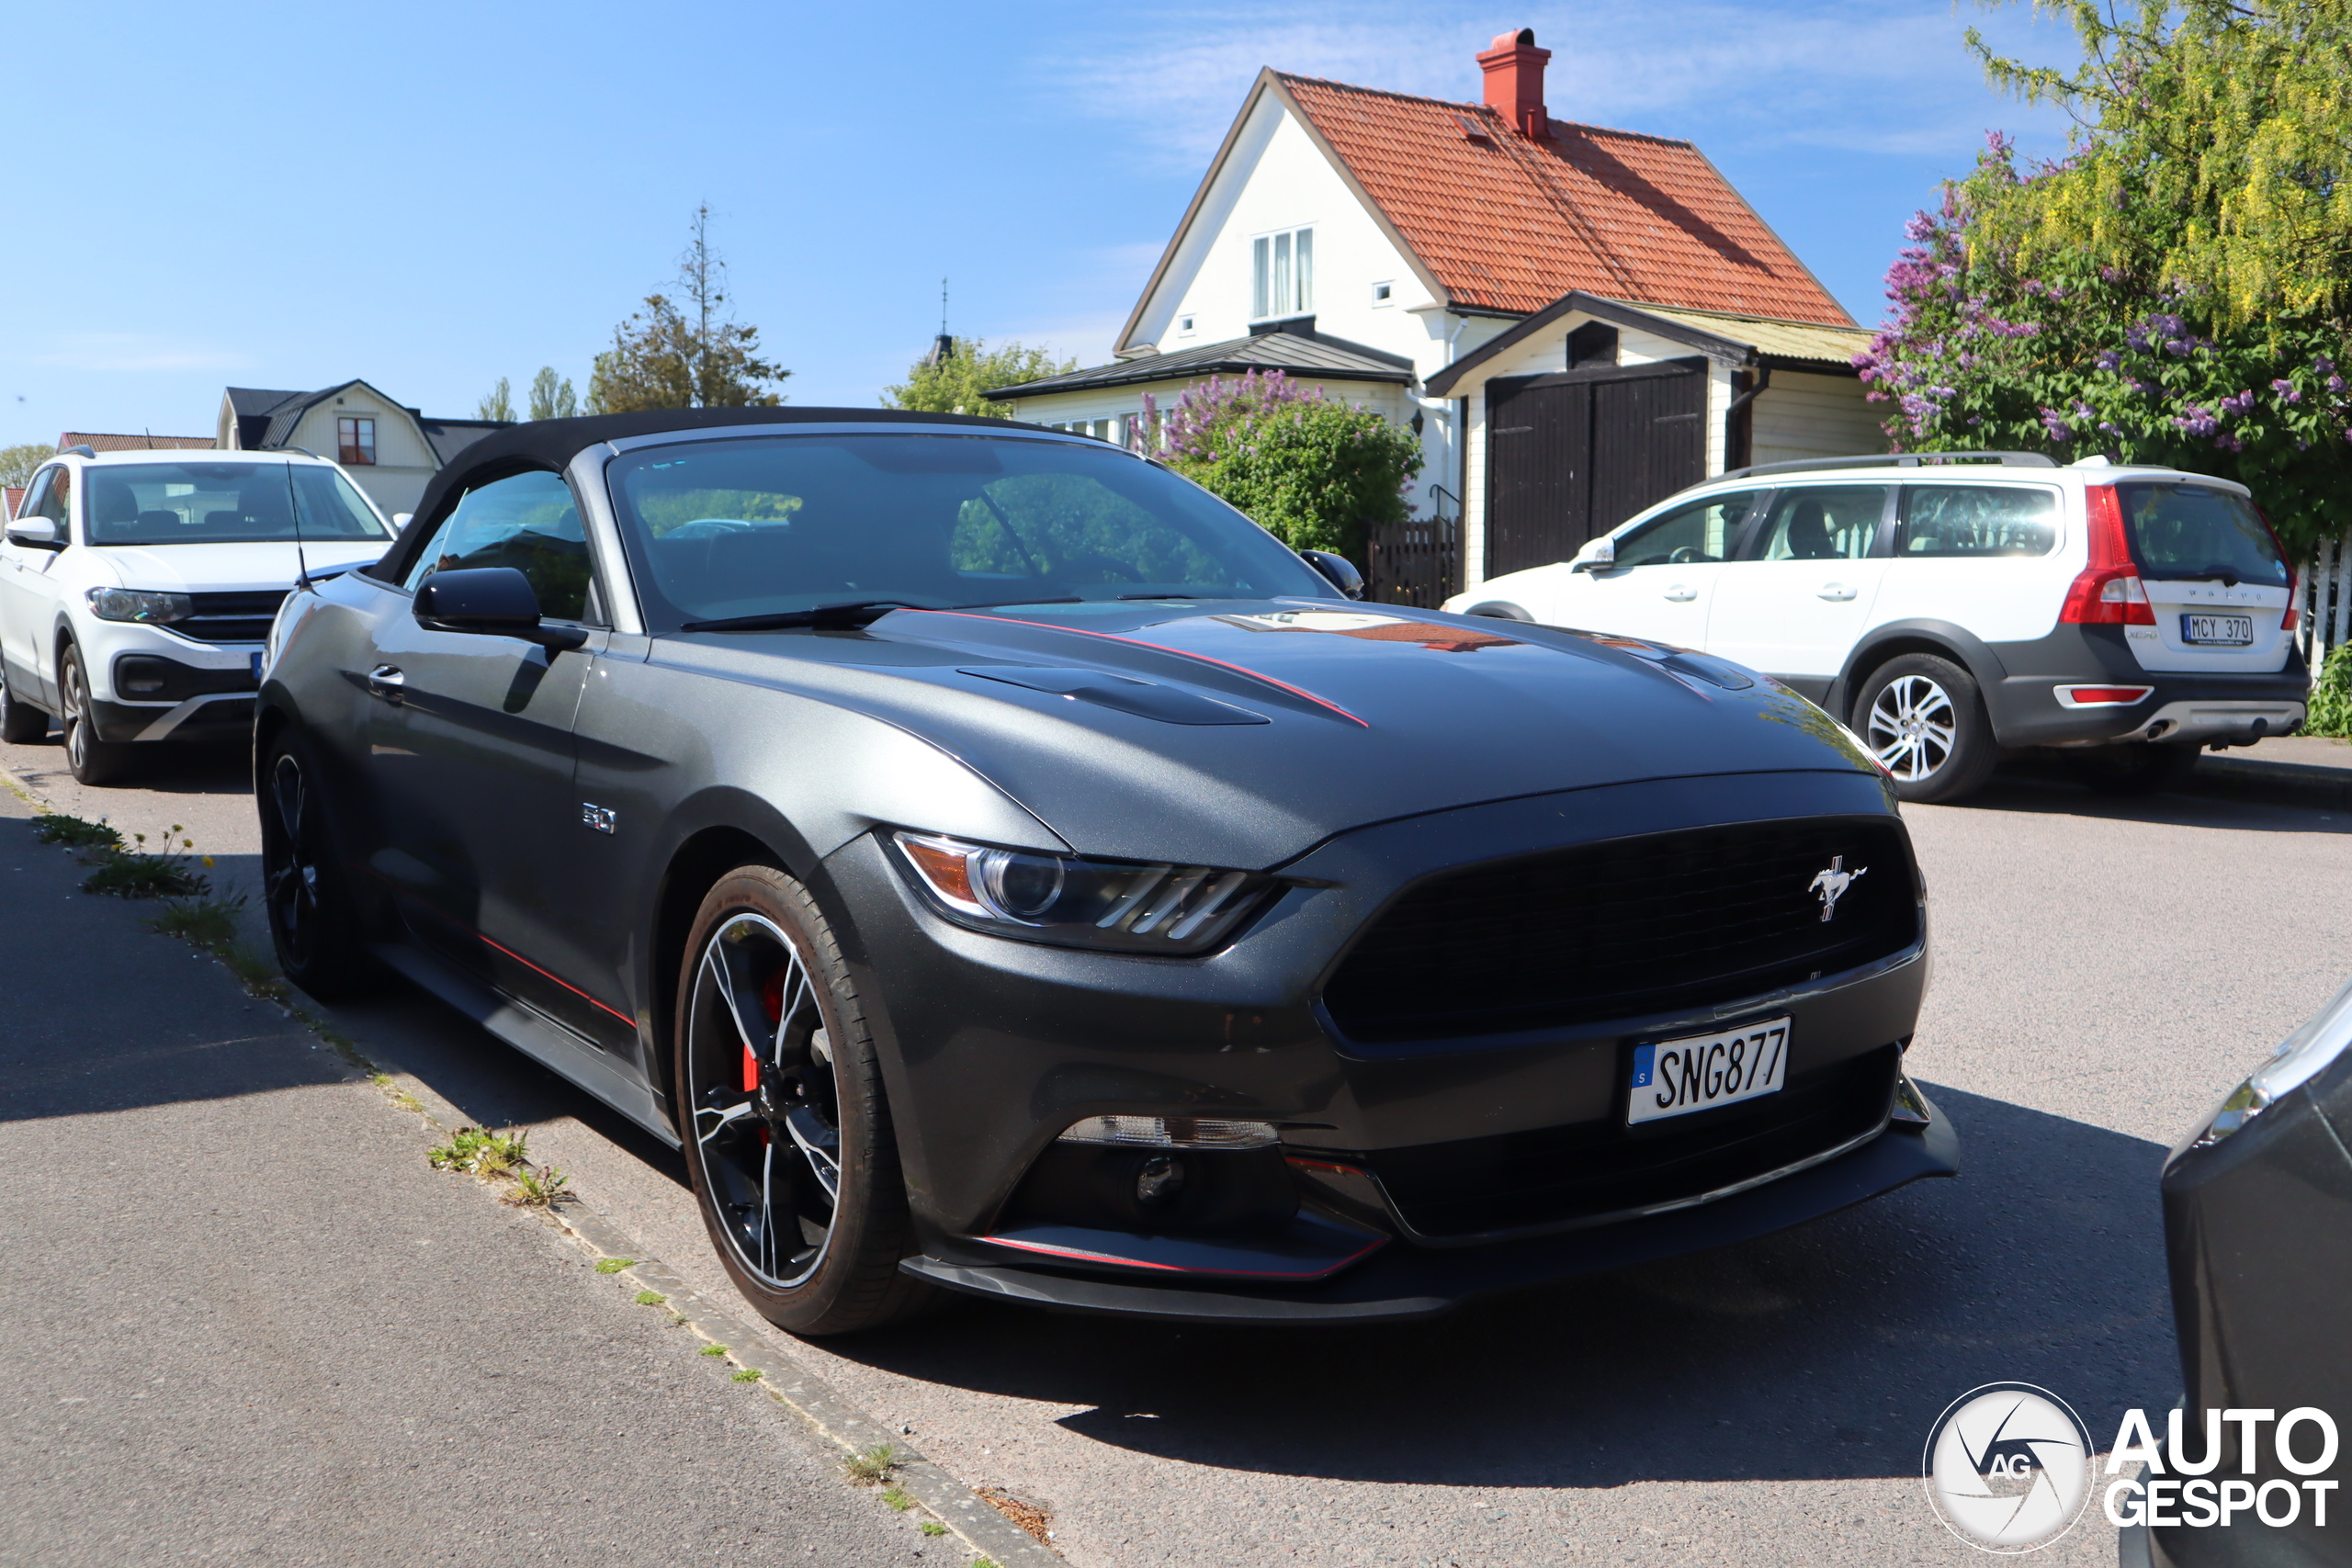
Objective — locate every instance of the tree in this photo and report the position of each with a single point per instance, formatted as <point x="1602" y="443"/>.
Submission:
<point x="17" y="463"/>
<point x="688" y="353"/>
<point x="1314" y="471"/>
<point x="2170" y="293"/>
<point x="552" y="395"/>
<point x="498" y="402"/>
<point x="953" y="383"/>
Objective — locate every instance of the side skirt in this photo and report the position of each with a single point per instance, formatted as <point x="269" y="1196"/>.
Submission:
<point x="542" y="1039"/>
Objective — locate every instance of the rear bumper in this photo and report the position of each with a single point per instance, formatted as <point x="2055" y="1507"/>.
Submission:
<point x="1402" y="1282"/>
<point x="2200" y="707"/>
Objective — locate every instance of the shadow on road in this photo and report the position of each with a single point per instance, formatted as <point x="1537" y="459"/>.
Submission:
<point x="1824" y="1352"/>
<point x="2040" y="788"/>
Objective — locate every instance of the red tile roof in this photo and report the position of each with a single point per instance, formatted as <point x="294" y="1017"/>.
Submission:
<point x="140" y="443"/>
<point x="1512" y="224"/>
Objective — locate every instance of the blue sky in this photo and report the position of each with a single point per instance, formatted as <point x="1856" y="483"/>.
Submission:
<point x="432" y="195"/>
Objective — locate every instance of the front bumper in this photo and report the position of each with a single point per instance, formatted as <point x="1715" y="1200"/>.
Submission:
<point x="991" y="1048"/>
<point x="150" y="683"/>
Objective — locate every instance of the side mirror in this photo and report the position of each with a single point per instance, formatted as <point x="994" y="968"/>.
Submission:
<point x="1341" y="572"/>
<point x="493" y="601"/>
<point x="400" y="521"/>
<point x="1599" y="555"/>
<point x="39" y="533"/>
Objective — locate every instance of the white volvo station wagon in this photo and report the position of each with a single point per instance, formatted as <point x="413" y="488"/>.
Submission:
<point x="1950" y="606"/>
<point x="136" y="588"/>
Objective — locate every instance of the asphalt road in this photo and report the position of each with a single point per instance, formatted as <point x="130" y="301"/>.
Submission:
<point x="242" y="1320"/>
<point x="2104" y="971"/>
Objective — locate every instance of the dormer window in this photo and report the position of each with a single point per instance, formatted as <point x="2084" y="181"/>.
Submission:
<point x="354" y="441"/>
<point x="1281" y="274"/>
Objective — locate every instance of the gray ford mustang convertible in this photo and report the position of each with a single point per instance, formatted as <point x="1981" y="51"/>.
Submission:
<point x="1005" y="868"/>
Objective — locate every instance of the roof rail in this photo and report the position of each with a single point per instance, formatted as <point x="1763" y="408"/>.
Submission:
<point x="77" y="452"/>
<point x="1901" y="460"/>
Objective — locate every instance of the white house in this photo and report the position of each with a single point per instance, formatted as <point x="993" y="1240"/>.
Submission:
<point x="1577" y="320"/>
<point x="388" y="450"/>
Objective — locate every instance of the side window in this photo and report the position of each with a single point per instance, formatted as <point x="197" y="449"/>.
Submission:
<point x="1976" y="520"/>
<point x="524" y="521"/>
<point x="1703" y="531"/>
<point x="1823" y="522"/>
<point x="46" y="500"/>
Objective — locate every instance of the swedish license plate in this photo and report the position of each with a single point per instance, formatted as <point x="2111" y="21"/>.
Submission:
<point x="1675" y="1077"/>
<point x="2228" y="631"/>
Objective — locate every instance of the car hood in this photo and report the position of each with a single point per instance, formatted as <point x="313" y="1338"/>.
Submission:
<point x="228" y="568"/>
<point x="1245" y="733"/>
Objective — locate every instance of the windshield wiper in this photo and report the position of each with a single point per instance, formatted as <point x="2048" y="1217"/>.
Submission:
<point x="850" y="616"/>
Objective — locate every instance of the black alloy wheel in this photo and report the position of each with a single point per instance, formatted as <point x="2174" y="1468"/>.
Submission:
<point x="1924" y="719"/>
<point x="21" y="723"/>
<point x="788" y="1134"/>
<point x="311" y="922"/>
<point x="93" y="760"/>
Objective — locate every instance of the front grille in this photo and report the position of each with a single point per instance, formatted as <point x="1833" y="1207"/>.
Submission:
<point x="1558" y="1175"/>
<point x="1669" y="922"/>
<point x="232" y="617"/>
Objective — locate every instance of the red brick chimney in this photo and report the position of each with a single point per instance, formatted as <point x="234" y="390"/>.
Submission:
<point x="1514" y="69"/>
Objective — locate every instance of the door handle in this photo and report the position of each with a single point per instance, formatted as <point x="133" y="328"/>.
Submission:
<point x="1681" y="594"/>
<point x="1836" y="591"/>
<point x="385" y="680"/>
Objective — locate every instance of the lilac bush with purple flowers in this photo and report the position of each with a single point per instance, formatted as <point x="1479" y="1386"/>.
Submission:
<point x="1984" y="351"/>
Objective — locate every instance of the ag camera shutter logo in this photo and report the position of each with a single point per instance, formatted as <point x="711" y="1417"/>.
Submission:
<point x="2008" y="1467"/>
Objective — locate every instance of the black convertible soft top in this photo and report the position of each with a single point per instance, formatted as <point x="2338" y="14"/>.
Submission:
<point x="553" y="442"/>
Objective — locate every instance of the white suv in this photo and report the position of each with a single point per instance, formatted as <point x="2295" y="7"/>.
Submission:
<point x="136" y="588"/>
<point x="1949" y="605"/>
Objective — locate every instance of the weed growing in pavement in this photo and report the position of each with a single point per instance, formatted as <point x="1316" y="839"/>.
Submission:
<point x="136" y="872"/>
<point x="873" y="1467"/>
<point x="541" y="1189"/>
<point x="712" y="1351"/>
<point x="932" y="1527"/>
<point x="211" y="926"/>
<point x="481" y="1151"/>
<point x="74" y="833"/>
<point x="385" y="1081"/>
<point x="615" y="1265"/>
<point x="898" y="1497"/>
<point x="650" y="1298"/>
<point x="749" y="1374"/>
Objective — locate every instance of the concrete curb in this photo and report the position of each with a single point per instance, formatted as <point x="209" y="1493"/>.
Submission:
<point x="2279" y="783"/>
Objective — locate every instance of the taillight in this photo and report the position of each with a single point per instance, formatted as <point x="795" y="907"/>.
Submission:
<point x="2107" y="592"/>
<point x="2287" y="621"/>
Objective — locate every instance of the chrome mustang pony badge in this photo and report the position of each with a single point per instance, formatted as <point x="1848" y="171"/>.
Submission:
<point x="1832" y="883"/>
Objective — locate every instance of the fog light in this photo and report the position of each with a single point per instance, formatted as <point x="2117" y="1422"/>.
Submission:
<point x="1159" y="1182"/>
<point x="1172" y="1132"/>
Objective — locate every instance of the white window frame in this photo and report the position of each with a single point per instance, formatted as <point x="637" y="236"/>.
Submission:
<point x="1384" y="294"/>
<point x="1282" y="273"/>
<point x="1184" y="326"/>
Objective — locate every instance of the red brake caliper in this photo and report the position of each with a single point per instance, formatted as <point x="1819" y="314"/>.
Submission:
<point x="771" y="1003"/>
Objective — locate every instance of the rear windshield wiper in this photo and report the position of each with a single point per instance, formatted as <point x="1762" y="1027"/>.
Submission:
<point x="825" y="618"/>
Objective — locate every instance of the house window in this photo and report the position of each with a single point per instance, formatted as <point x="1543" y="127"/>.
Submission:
<point x="354" y="441"/>
<point x="1183" y="326"/>
<point x="1383" y="294"/>
<point x="1281" y="274"/>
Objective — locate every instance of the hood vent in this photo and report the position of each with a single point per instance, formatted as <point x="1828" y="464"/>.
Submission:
<point x="1145" y="699"/>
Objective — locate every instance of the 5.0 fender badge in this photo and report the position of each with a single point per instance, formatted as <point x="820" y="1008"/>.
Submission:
<point x="602" y="819"/>
<point x="1830" y="884"/>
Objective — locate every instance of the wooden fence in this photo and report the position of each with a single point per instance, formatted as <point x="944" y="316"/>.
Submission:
<point x="2326" y="595"/>
<point x="1417" y="562"/>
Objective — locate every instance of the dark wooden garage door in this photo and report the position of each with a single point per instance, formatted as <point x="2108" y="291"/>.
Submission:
<point x="1574" y="454"/>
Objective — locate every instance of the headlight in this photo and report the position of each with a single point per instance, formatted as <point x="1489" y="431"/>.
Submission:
<point x="139" y="605"/>
<point x="2307" y="1053"/>
<point x="1079" y="902"/>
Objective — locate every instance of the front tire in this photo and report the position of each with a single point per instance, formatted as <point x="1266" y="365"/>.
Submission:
<point x="21" y="723"/>
<point x="787" y="1133"/>
<point x="1925" y="719"/>
<point x="314" y="924"/>
<point x="93" y="760"/>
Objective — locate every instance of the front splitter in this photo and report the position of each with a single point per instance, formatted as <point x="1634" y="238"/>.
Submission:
<point x="1401" y="1283"/>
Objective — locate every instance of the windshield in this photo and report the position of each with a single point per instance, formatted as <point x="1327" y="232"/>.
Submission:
<point x="776" y="524"/>
<point x="2197" y="533"/>
<point x="224" y="504"/>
